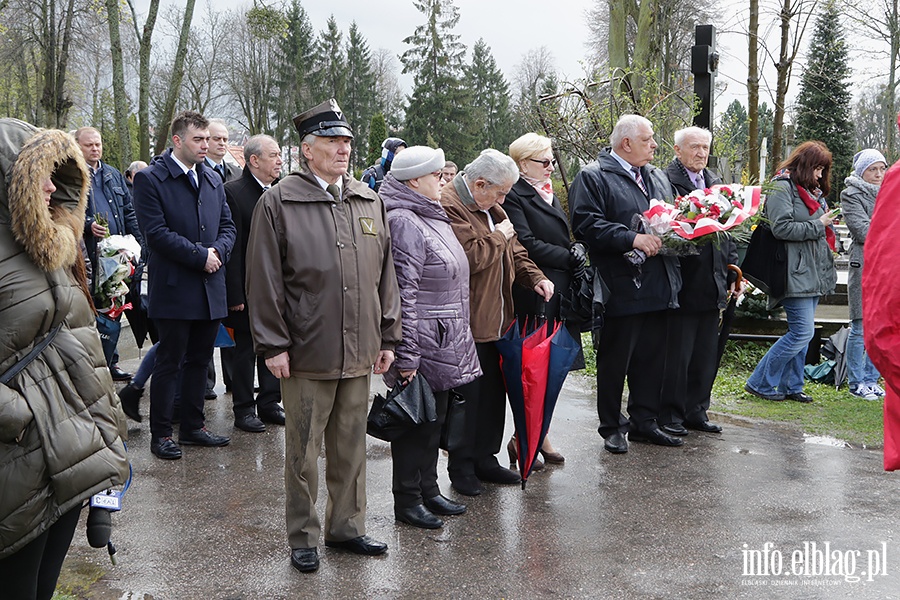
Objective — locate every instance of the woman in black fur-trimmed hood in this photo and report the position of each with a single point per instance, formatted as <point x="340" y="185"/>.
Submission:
<point x="61" y="425"/>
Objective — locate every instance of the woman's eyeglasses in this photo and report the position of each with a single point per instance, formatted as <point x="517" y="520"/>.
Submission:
<point x="544" y="163"/>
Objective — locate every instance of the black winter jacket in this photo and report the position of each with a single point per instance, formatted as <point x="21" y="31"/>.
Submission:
<point x="603" y="200"/>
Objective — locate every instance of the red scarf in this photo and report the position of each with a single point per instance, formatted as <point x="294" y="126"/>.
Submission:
<point x="812" y="205"/>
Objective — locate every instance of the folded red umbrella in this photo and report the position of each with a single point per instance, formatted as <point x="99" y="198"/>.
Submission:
<point x="534" y="365"/>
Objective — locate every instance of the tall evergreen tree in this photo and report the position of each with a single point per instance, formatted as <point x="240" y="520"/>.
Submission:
<point x="438" y="108"/>
<point x="331" y="64"/>
<point x="491" y="117"/>
<point x="731" y="135"/>
<point x="377" y="134"/>
<point x="297" y="50"/>
<point x="359" y="95"/>
<point x="823" y="104"/>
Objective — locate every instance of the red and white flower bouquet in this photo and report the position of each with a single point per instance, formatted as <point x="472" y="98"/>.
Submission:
<point x="702" y="216"/>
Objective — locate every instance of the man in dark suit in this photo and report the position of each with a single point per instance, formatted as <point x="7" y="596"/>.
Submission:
<point x="693" y="327"/>
<point x="181" y="207"/>
<point x="262" y="167"/>
<point x="604" y="199"/>
<point x="215" y="160"/>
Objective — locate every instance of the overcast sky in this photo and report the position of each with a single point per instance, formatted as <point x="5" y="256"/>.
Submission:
<point x="511" y="28"/>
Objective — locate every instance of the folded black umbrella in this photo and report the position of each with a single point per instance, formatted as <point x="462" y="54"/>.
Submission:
<point x="584" y="301"/>
<point x="407" y="406"/>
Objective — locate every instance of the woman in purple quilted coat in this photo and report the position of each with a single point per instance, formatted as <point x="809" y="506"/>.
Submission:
<point x="437" y="343"/>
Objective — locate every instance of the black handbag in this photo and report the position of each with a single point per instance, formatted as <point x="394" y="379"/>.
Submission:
<point x="765" y="264"/>
<point x="453" y="432"/>
<point x="408" y="405"/>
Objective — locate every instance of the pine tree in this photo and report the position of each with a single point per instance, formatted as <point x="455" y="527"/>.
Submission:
<point x="438" y="108"/>
<point x="296" y="54"/>
<point x="489" y="91"/>
<point x="359" y="93"/>
<point x="731" y="134"/>
<point x="330" y="71"/>
<point x="377" y="134"/>
<point x="823" y="104"/>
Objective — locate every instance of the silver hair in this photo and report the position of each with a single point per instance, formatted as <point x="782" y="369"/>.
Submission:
<point x="254" y="145"/>
<point x="310" y="140"/>
<point x="136" y="166"/>
<point x="219" y="122"/>
<point x="683" y="133"/>
<point x="494" y="167"/>
<point x="628" y="126"/>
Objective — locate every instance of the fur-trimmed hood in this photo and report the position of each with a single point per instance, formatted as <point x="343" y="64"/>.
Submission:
<point x="50" y="237"/>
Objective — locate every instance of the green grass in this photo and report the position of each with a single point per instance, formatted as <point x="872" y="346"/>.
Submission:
<point x="834" y="413"/>
<point x="76" y="578"/>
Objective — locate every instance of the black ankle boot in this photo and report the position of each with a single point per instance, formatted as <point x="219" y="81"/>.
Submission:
<point x="130" y="396"/>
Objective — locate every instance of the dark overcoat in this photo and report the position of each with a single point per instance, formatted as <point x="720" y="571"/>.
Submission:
<point x="543" y="230"/>
<point x="179" y="224"/>
<point x="242" y="195"/>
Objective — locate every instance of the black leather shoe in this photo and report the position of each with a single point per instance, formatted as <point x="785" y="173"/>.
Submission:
<point x="440" y="505"/>
<point x="616" y="443"/>
<point x="118" y="374"/>
<point x="418" y="516"/>
<point x="275" y="417"/>
<point x="498" y="474"/>
<point x="249" y="423"/>
<point x="467" y="485"/>
<point x="202" y="437"/>
<point x="165" y="448"/>
<point x="656" y="436"/>
<point x="210" y="394"/>
<point x="360" y="545"/>
<point x="799" y="397"/>
<point x="130" y="397"/>
<point x="773" y="397"/>
<point x="305" y="560"/>
<point x="704" y="426"/>
<point x="675" y="429"/>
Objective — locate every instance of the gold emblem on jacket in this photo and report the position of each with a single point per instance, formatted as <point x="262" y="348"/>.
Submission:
<point x="368" y="225"/>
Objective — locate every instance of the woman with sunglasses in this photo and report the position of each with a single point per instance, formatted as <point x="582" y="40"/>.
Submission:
<point x="543" y="229"/>
<point x="433" y="276"/>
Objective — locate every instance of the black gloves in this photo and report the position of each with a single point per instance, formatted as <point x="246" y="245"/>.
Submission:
<point x="577" y="256"/>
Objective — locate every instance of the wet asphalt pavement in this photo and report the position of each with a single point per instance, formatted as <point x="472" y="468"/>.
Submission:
<point x="716" y="518"/>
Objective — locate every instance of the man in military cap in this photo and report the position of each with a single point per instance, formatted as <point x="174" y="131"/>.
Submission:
<point x="324" y="308"/>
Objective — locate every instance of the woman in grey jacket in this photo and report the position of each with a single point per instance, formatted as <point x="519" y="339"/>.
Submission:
<point x="433" y="276"/>
<point x="858" y="204"/>
<point x="798" y="215"/>
<point x="61" y="428"/>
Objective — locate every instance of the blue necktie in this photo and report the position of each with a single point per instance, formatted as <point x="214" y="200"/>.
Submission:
<point x="193" y="179"/>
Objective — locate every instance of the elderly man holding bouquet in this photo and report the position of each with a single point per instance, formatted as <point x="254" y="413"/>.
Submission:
<point x="691" y="363"/>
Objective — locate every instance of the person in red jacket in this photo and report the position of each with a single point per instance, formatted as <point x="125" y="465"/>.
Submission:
<point x="881" y="306"/>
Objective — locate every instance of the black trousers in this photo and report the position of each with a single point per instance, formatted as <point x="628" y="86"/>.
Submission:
<point x="485" y="416"/>
<point x="632" y="347"/>
<point x="415" y="457"/>
<point x="184" y="346"/>
<point x="243" y="362"/>
<point x="226" y="355"/>
<point x="32" y="572"/>
<point x="690" y="366"/>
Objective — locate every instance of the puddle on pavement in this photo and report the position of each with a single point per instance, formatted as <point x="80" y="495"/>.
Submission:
<point x="824" y="440"/>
